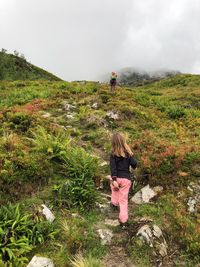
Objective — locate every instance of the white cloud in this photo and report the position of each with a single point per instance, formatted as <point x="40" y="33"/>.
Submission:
<point x="84" y="39"/>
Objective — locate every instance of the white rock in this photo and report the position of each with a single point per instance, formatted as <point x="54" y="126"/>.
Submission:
<point x="157" y="231"/>
<point x="94" y="106"/>
<point x="102" y="207"/>
<point x="46" y="115"/>
<point x="70" y="116"/>
<point x="144" y="195"/>
<point x="162" y="249"/>
<point x="112" y="115"/>
<point x="105" y="235"/>
<point x="145" y="232"/>
<point x="153" y="236"/>
<point x="111" y="222"/>
<point x="67" y="106"/>
<point x="103" y="163"/>
<point x="189" y="188"/>
<point x="137" y="198"/>
<point x="47" y="213"/>
<point x="40" y="262"/>
<point x="191" y="205"/>
<point x="147" y="194"/>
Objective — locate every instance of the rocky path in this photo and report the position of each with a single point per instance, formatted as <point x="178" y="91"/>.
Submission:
<point x="114" y="237"/>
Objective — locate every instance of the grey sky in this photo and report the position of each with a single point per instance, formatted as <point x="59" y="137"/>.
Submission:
<point x="83" y="39"/>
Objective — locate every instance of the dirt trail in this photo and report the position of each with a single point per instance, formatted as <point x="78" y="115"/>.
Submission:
<point x="117" y="255"/>
<point x="117" y="258"/>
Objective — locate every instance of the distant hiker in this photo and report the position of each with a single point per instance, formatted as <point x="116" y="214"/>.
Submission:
<point x="121" y="160"/>
<point x="113" y="81"/>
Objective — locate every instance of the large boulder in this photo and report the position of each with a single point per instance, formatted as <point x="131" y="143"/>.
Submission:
<point x="153" y="236"/>
<point x="146" y="194"/>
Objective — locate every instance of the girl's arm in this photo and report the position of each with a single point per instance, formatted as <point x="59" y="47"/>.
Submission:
<point x="133" y="162"/>
<point x="113" y="168"/>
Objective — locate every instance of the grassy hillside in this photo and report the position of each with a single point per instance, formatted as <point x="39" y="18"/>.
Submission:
<point x="15" y="67"/>
<point x="54" y="137"/>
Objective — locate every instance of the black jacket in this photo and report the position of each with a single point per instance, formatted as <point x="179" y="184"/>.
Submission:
<point x="120" y="167"/>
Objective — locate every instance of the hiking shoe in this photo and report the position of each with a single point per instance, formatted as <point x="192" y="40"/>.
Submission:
<point x="125" y="225"/>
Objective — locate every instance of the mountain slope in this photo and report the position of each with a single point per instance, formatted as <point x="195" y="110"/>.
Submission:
<point x="49" y="133"/>
<point x="14" y="67"/>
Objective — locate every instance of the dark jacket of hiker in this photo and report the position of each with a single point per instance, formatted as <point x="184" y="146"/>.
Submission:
<point x="120" y="166"/>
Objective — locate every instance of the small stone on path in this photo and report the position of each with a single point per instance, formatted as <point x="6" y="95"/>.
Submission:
<point x="40" y="262"/>
<point x="46" y="115"/>
<point x="105" y="235"/>
<point x="111" y="222"/>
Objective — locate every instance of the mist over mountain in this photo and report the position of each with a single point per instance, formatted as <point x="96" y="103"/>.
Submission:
<point x="132" y="76"/>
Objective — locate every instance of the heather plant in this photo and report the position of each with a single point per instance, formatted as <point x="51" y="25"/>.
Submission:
<point x="19" y="121"/>
<point x="19" y="167"/>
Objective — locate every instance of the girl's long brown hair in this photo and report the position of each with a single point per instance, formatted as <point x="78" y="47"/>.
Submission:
<point x="119" y="146"/>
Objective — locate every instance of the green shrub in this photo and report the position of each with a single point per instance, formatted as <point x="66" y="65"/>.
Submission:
<point x="175" y="112"/>
<point x="166" y="167"/>
<point x="20" y="121"/>
<point x="192" y="163"/>
<point x="191" y="157"/>
<point x="20" y="84"/>
<point x="160" y="103"/>
<point x="154" y="93"/>
<point x="104" y="98"/>
<point x="81" y="169"/>
<point x="50" y="145"/>
<point x="31" y="168"/>
<point x="19" y="167"/>
<point x="142" y="99"/>
<point x="19" y="234"/>
<point x="83" y="113"/>
<point x="186" y="231"/>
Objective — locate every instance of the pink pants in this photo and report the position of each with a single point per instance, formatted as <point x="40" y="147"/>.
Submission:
<point x="120" y="198"/>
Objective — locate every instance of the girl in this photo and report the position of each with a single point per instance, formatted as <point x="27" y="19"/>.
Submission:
<point x="120" y="161"/>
